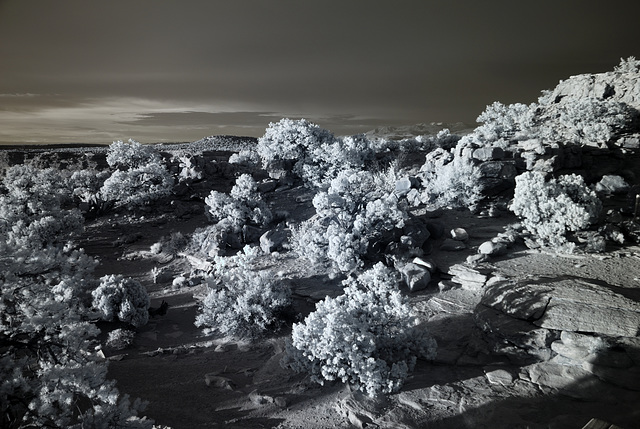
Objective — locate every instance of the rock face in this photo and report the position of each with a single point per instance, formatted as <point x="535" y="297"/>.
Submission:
<point x="566" y="305"/>
<point x="615" y="86"/>
<point x="569" y="322"/>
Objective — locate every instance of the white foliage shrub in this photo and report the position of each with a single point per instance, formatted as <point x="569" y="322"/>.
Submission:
<point x="246" y="157"/>
<point x="242" y="205"/>
<point x="123" y="299"/>
<point x="31" y="208"/>
<point x="450" y="180"/>
<point x="356" y="209"/>
<point x="131" y="155"/>
<point x="551" y="209"/>
<point x="139" y="186"/>
<point x="628" y="65"/>
<point x="140" y="176"/>
<point x="242" y="302"/>
<point x="50" y="374"/>
<point x="512" y="121"/>
<point x="293" y="142"/>
<point x="366" y="337"/>
<point x="584" y="121"/>
<point x="313" y="153"/>
<point x="120" y="339"/>
<point x="189" y="168"/>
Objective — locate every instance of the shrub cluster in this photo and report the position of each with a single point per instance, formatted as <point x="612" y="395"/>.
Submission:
<point x="50" y="374"/>
<point x="550" y="209"/>
<point x="123" y="299"/>
<point x="312" y="153"/>
<point x="140" y="176"/>
<point x="366" y="337"/>
<point x="242" y="302"/>
<point x="242" y="205"/>
<point x="355" y="211"/>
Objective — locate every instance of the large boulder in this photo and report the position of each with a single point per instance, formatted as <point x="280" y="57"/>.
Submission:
<point x="568" y="321"/>
<point x="574" y="305"/>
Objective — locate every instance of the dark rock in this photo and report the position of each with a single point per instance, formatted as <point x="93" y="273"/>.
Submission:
<point x="518" y="339"/>
<point x="273" y="240"/>
<point x="568" y="305"/>
<point x="416" y="277"/>
<point x="417" y="230"/>
<point x="436" y="229"/>
<point x="268" y="186"/>
<point x="469" y="278"/>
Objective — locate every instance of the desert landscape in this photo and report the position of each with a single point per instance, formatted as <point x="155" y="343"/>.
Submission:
<point x="440" y="276"/>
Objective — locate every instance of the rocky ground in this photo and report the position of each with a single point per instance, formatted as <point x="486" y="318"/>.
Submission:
<point x="526" y="339"/>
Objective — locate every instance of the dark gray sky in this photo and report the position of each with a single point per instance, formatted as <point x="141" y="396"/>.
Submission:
<point x="160" y="70"/>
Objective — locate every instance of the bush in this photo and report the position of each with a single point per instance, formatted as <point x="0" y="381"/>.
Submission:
<point x="629" y="65"/>
<point x="366" y="337"/>
<point x="513" y="121"/>
<point x="355" y="211"/>
<point x="122" y="299"/>
<point x="139" y="186"/>
<point x="550" y="209"/>
<point x="126" y="156"/>
<point x="450" y="180"/>
<point x="120" y="339"/>
<point x="241" y="206"/>
<point x="140" y="175"/>
<point x="242" y="302"/>
<point x="292" y="142"/>
<point x="31" y="208"/>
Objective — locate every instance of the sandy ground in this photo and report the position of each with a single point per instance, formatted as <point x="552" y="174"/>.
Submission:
<point x="197" y="381"/>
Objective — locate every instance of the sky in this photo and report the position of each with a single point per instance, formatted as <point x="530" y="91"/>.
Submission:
<point x="83" y="71"/>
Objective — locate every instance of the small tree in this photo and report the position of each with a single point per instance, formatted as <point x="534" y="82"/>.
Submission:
<point x="355" y="211"/>
<point x="242" y="205"/>
<point x="551" y="209"/>
<point x="123" y="299"/>
<point x="366" y="337"/>
<point x="242" y="302"/>
<point x="126" y="156"/>
<point x="140" y="176"/>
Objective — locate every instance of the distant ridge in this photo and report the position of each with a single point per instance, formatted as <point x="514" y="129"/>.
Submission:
<point x="408" y="131"/>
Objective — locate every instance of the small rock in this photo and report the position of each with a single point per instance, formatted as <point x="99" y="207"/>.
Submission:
<point x="612" y="184"/>
<point x="467" y="277"/>
<point x="268" y="186"/>
<point x="418" y="231"/>
<point x="488" y="153"/>
<point x="416" y="277"/>
<point x="258" y="399"/>
<point x="280" y="401"/>
<point x="427" y="263"/>
<point x="478" y="258"/>
<point x="404" y="185"/>
<point x="273" y="240"/>
<point x="459" y="234"/>
<point x="499" y="376"/>
<point x="492" y="249"/>
<point x="215" y="380"/>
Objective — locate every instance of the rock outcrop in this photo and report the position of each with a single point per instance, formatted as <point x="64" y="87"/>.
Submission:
<point x="569" y="322"/>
